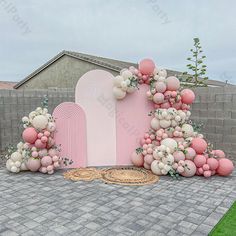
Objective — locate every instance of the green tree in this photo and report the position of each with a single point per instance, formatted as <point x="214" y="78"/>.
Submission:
<point x="196" y="69"/>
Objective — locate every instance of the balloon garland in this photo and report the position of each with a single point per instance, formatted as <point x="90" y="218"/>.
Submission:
<point x="172" y="145"/>
<point x="38" y="152"/>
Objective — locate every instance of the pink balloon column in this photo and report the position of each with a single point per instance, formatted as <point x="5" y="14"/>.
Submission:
<point x="172" y="145"/>
<point x="39" y="152"/>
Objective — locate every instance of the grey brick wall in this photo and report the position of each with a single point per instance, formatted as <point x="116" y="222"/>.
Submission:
<point x="215" y="107"/>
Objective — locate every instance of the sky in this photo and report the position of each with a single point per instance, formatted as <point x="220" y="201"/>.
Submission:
<point x="32" y="32"/>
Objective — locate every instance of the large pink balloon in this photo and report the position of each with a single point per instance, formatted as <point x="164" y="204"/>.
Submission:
<point x="190" y="169"/>
<point x="146" y="66"/>
<point x="137" y="159"/>
<point x="225" y="168"/>
<point x="213" y="163"/>
<point x="173" y="83"/>
<point x="30" y="135"/>
<point x="199" y="145"/>
<point x="187" y="96"/>
<point x="199" y="160"/>
<point x="33" y="164"/>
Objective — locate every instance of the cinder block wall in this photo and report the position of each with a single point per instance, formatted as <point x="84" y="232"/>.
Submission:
<point x="215" y="107"/>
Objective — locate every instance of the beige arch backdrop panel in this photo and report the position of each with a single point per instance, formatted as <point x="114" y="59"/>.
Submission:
<point x="94" y="94"/>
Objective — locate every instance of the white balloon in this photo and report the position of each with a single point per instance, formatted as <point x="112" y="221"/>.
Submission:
<point x="170" y="143"/>
<point x="14" y="169"/>
<point x="8" y="165"/>
<point x="155" y="124"/>
<point x="40" y="122"/>
<point x="187" y="130"/>
<point x="16" y="156"/>
<point x="164" y="172"/>
<point x="118" y="93"/>
<point x="155" y="168"/>
<point x="117" y="81"/>
<point x="165" y="123"/>
<point x="174" y="123"/>
<point x="17" y="164"/>
<point x="25" y="119"/>
<point x="162" y="72"/>
<point x="124" y="86"/>
<point x="23" y="166"/>
<point x="161" y="165"/>
<point x="126" y="74"/>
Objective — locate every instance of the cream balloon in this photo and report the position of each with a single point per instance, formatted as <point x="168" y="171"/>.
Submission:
<point x="155" y="124"/>
<point x="118" y="93"/>
<point x="16" y="156"/>
<point x="155" y="168"/>
<point x="187" y="130"/>
<point x="40" y="122"/>
<point x="117" y="81"/>
<point x="170" y="143"/>
<point x="165" y="123"/>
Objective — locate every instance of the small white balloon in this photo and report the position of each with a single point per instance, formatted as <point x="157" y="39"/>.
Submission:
<point x="118" y="93"/>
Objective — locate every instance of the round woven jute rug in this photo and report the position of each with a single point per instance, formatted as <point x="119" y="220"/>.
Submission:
<point x="85" y="174"/>
<point x="115" y="175"/>
<point x="129" y="176"/>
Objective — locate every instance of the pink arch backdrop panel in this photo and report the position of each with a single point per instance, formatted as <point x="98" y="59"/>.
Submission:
<point x="71" y="133"/>
<point x="94" y="94"/>
<point x="132" y="121"/>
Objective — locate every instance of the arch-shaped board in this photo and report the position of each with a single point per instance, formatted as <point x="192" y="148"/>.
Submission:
<point x="94" y="94"/>
<point x="132" y="121"/>
<point x="71" y="133"/>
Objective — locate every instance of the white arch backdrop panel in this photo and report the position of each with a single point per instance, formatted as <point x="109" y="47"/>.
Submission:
<point x="94" y="93"/>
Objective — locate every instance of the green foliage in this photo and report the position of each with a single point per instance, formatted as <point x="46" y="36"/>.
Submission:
<point x="196" y="68"/>
<point x="45" y="101"/>
<point x="139" y="150"/>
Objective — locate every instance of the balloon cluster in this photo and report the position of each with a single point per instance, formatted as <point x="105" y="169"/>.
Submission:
<point x="38" y="152"/>
<point x="172" y="145"/>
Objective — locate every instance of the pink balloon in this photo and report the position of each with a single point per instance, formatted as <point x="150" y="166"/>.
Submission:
<point x="199" y="160"/>
<point x="167" y="94"/>
<point x="29" y="135"/>
<point x="40" y="135"/>
<point x="173" y="83"/>
<point x="39" y="144"/>
<point x="199" y="145"/>
<point x="146" y="166"/>
<point x="43" y="170"/>
<point x="213" y="163"/>
<point x="146" y="66"/>
<point x="219" y="153"/>
<point x="50" y="168"/>
<point x="35" y="154"/>
<point x="200" y="170"/>
<point x="178" y="155"/>
<point x="46" y="161"/>
<point x="55" y="158"/>
<point x="137" y="159"/>
<point x="44" y="139"/>
<point x="158" y="98"/>
<point x="148" y="159"/>
<point x="33" y="164"/>
<point x="160" y="87"/>
<point x="206" y="167"/>
<point x="225" y="168"/>
<point x="46" y="133"/>
<point x="187" y="96"/>
<point x="165" y="105"/>
<point x="189" y="169"/>
<point x="190" y="153"/>
<point x="207" y="173"/>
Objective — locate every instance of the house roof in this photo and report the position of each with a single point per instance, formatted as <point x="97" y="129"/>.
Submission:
<point x="7" y="84"/>
<point x="107" y="63"/>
